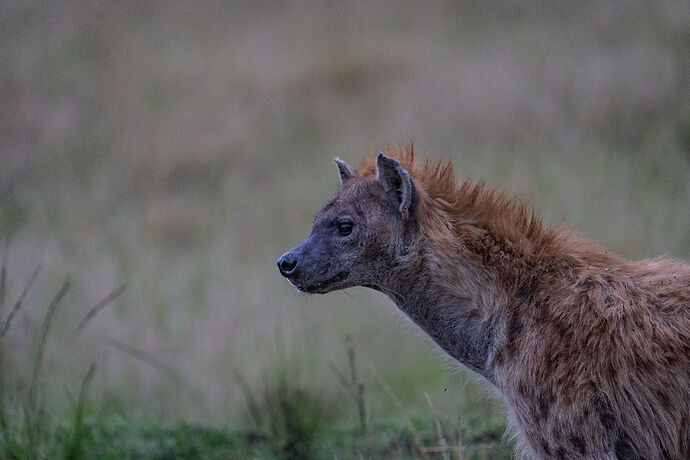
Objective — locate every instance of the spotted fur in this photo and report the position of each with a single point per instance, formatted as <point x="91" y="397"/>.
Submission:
<point x="590" y="351"/>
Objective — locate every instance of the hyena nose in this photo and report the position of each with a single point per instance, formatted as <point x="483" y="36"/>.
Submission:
<point x="287" y="264"/>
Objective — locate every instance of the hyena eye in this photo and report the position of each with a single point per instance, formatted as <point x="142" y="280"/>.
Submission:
<point x="345" y="228"/>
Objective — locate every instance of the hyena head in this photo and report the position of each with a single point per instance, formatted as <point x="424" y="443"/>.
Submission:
<point x="362" y="233"/>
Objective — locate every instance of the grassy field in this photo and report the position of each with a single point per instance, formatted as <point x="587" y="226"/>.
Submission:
<point x="161" y="156"/>
<point x="284" y="416"/>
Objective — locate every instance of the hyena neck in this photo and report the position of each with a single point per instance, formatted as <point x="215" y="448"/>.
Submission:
<point x="456" y="302"/>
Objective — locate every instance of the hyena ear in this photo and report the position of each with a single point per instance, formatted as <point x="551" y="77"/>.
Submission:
<point x="346" y="171"/>
<point x="395" y="179"/>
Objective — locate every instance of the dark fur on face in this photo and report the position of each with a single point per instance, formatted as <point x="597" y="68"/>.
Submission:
<point x="354" y="238"/>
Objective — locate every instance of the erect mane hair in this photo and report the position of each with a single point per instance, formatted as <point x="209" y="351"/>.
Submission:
<point x="463" y="203"/>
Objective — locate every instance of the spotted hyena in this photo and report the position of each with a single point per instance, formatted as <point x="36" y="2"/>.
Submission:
<point x="590" y="352"/>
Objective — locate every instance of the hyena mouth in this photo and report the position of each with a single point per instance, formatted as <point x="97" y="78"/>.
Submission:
<point x="322" y="287"/>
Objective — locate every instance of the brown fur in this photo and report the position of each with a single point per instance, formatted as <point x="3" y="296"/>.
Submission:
<point x="591" y="352"/>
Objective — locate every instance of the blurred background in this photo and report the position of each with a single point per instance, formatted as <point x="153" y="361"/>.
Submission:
<point x="179" y="148"/>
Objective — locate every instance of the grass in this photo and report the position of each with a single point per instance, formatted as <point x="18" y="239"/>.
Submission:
<point x="283" y="421"/>
<point x="285" y="416"/>
<point x="122" y="438"/>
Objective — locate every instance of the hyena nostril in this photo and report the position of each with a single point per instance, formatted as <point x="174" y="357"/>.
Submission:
<point x="287" y="264"/>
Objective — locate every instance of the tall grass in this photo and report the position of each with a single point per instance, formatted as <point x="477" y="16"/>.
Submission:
<point x="32" y="416"/>
<point x="287" y="416"/>
<point x="74" y="448"/>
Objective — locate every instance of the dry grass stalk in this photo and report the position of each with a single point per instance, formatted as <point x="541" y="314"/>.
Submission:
<point x="443" y="444"/>
<point x="20" y="300"/>
<point x="162" y="368"/>
<point x="104" y="302"/>
<point x="354" y="387"/>
<point x="391" y="395"/>
<point x="45" y="328"/>
<point x="3" y="276"/>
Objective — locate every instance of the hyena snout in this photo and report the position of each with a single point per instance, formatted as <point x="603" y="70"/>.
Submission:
<point x="287" y="264"/>
<point x="314" y="266"/>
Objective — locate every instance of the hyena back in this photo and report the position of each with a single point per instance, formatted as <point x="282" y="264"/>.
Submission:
<point x="590" y="352"/>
